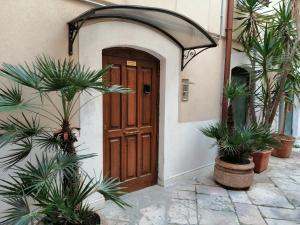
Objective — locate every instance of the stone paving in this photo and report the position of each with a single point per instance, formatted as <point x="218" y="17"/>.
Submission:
<point x="274" y="199"/>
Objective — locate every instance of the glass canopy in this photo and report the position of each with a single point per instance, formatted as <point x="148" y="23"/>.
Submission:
<point x="187" y="34"/>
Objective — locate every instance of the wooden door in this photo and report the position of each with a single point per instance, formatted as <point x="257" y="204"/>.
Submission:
<point x="131" y="120"/>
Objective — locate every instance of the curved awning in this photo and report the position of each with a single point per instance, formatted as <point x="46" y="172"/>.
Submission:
<point x="184" y="32"/>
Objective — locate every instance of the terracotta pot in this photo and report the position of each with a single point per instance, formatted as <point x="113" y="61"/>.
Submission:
<point x="235" y="176"/>
<point x="285" y="150"/>
<point x="261" y="160"/>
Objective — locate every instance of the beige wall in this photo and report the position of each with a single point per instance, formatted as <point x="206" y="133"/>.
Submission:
<point x="205" y="12"/>
<point x="206" y="74"/>
<point x="34" y="27"/>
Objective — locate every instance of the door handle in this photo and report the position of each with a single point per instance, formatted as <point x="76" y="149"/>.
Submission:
<point x="127" y="133"/>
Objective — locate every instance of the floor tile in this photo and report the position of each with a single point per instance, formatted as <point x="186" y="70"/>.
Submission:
<point x="183" y="212"/>
<point x="293" y="197"/>
<point x="153" y="215"/>
<point x="296" y="178"/>
<point x="220" y="203"/>
<point x="211" y="190"/>
<point x="280" y="222"/>
<point x="286" y="184"/>
<point x="248" y="214"/>
<point x="211" y="217"/>
<point x="189" y="195"/>
<point x="279" y="213"/>
<point x="239" y="196"/>
<point x="267" y="195"/>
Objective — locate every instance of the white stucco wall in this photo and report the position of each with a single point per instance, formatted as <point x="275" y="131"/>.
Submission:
<point x="182" y="147"/>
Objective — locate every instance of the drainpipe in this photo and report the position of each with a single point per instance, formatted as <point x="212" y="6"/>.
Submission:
<point x="228" y="47"/>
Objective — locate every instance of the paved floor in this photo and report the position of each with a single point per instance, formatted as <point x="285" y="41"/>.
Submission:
<point x="274" y="199"/>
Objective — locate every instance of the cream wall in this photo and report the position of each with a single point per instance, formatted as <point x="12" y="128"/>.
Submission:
<point x="34" y="27"/>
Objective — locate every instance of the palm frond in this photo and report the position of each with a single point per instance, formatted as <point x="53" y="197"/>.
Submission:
<point x="38" y="176"/>
<point x="57" y="206"/>
<point x="67" y="205"/>
<point x="14" y="130"/>
<point x="23" y="75"/>
<point x="251" y="20"/>
<point x="235" y="89"/>
<point x="48" y="142"/>
<point x="237" y="144"/>
<point x="20" y="213"/>
<point x="20" y="151"/>
<point x="111" y="190"/>
<point x="71" y="78"/>
<point x="11" y="100"/>
<point x="12" y="187"/>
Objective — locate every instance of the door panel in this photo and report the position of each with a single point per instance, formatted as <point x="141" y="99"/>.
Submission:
<point x="131" y="120"/>
<point x="115" y="159"/>
<point x="146" y="97"/>
<point x="146" y="153"/>
<point x="115" y="99"/>
<point x="131" y="98"/>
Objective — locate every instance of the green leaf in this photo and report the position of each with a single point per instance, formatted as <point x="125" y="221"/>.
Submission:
<point x="48" y="142"/>
<point x="20" y="151"/>
<point x="23" y="75"/>
<point x="11" y="100"/>
<point x="19" y="213"/>
<point x="14" y="130"/>
<point x="111" y="190"/>
<point x="235" y="89"/>
<point x="71" y="78"/>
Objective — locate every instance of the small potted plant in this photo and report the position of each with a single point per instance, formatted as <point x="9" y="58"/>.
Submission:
<point x="265" y="142"/>
<point x="287" y="142"/>
<point x="233" y="166"/>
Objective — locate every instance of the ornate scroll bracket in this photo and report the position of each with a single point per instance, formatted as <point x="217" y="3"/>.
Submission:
<point x="188" y="55"/>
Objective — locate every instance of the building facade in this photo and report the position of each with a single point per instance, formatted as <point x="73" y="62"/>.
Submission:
<point x="30" y="28"/>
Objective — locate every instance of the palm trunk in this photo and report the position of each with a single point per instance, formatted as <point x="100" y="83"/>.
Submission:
<point x="287" y="62"/>
<point x="286" y="70"/>
<point x="286" y="107"/>
<point x="70" y="181"/>
<point x="230" y="118"/>
<point x="252" y="87"/>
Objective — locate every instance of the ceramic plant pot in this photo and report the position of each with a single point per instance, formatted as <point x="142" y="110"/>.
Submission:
<point x="94" y="220"/>
<point x="235" y="176"/>
<point x="285" y="149"/>
<point x="261" y="160"/>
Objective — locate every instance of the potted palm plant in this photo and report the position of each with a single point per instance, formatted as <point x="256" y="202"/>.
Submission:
<point x="52" y="187"/>
<point x="233" y="168"/>
<point x="292" y="91"/>
<point x="264" y="145"/>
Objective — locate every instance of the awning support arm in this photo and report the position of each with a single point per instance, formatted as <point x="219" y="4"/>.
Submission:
<point x="188" y="55"/>
<point x="74" y="28"/>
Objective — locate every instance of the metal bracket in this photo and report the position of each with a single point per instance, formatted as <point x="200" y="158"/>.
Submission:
<point x="188" y="55"/>
<point x="74" y="28"/>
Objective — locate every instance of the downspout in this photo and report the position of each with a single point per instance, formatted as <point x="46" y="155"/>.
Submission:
<point x="228" y="48"/>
